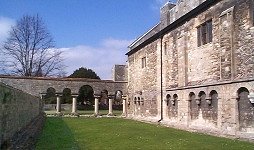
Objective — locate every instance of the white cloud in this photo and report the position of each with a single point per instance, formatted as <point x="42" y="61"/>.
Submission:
<point x="5" y="26"/>
<point x="101" y="59"/>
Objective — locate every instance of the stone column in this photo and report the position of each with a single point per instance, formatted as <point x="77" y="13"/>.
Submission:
<point x="110" y="108"/>
<point x="96" y="106"/>
<point x="58" y="104"/>
<point x="74" y="105"/>
<point x="124" y="107"/>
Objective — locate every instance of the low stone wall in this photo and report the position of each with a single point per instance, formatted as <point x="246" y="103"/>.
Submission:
<point x="53" y="107"/>
<point x="21" y="117"/>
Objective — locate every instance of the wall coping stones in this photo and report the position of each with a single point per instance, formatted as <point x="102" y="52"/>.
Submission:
<point x="61" y="79"/>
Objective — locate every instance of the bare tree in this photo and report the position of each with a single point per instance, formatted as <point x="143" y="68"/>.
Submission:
<point x="30" y="51"/>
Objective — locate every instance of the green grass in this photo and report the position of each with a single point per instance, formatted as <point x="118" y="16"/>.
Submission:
<point x="122" y="134"/>
<point x="86" y="112"/>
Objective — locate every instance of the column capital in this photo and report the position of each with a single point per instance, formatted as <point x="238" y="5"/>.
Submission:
<point x="125" y="97"/>
<point x="97" y="95"/>
<point x="111" y="96"/>
<point x="59" y="94"/>
<point x="42" y="95"/>
<point x="74" y="95"/>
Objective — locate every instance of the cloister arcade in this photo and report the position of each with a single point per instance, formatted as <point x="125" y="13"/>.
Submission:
<point x="215" y="107"/>
<point x="85" y="96"/>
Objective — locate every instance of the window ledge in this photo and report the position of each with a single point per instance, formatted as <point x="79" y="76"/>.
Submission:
<point x="205" y="45"/>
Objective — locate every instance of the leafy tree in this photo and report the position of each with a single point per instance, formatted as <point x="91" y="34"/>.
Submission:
<point x="29" y="49"/>
<point x="50" y="97"/>
<point x="66" y="98"/>
<point x="84" y="73"/>
<point x="86" y="95"/>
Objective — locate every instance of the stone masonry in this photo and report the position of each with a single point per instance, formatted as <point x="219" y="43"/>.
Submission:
<point x="194" y="70"/>
<point x="21" y="118"/>
<point x="35" y="86"/>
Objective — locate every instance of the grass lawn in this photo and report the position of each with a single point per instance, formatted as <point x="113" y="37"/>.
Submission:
<point x="122" y="134"/>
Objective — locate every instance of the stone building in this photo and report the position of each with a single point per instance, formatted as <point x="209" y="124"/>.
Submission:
<point x="195" y="69"/>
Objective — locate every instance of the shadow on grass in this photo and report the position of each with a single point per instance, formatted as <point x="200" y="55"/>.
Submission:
<point x="56" y="135"/>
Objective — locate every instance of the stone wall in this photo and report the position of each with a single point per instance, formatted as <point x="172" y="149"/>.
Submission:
<point x="35" y="86"/>
<point x="120" y="73"/>
<point x="204" y="87"/>
<point x="142" y="82"/>
<point x="18" y="111"/>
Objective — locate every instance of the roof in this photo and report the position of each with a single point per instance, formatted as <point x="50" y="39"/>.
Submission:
<point x="177" y="19"/>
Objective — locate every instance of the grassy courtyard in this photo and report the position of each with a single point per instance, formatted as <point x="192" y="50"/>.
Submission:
<point x="121" y="134"/>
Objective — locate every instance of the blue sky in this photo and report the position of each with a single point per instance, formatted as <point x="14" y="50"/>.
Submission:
<point x="92" y="33"/>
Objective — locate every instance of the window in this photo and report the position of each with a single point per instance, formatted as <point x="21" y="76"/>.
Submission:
<point x="143" y="62"/>
<point x="205" y="33"/>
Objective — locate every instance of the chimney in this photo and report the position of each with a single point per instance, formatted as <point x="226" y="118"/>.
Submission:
<point x="165" y="14"/>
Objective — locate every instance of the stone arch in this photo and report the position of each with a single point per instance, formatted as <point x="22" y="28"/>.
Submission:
<point x="173" y="106"/>
<point x="245" y="110"/>
<point x="210" y="107"/>
<point x="66" y="96"/>
<point x="139" y="99"/>
<point x="194" y="108"/>
<point x="175" y="99"/>
<point x="192" y="96"/>
<point x="85" y="95"/>
<point x="50" y="97"/>
<point x="202" y="98"/>
<point x="213" y="96"/>
<point x="104" y="98"/>
<point x="135" y="100"/>
<point x="118" y="95"/>
<point x="118" y="100"/>
<point x="168" y="97"/>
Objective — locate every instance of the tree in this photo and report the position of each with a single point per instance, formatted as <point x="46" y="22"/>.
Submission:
<point x="29" y="49"/>
<point x="84" y="73"/>
<point x="50" y="97"/>
<point x="66" y="98"/>
<point x="86" y="95"/>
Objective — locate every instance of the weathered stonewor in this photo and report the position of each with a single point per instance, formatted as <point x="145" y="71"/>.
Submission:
<point x="195" y="69"/>
<point x="37" y="85"/>
<point x="21" y="118"/>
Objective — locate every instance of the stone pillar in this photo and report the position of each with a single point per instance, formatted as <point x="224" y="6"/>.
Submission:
<point x="124" y="114"/>
<point x="110" y="108"/>
<point x="74" y="105"/>
<point x="96" y="106"/>
<point x="58" y="104"/>
<point x="165" y="109"/>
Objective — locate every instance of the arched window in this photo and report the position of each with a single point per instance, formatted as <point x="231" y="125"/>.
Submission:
<point x="192" y="96"/>
<point x="213" y="97"/>
<point x="168" y="97"/>
<point x="175" y="98"/>
<point x="139" y="100"/>
<point x="246" y="109"/>
<point x="202" y="97"/>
